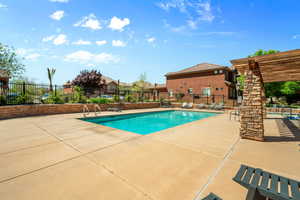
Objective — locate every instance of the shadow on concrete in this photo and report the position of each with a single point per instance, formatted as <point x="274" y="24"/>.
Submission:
<point x="289" y="131"/>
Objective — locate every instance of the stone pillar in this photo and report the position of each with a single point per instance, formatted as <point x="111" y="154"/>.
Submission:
<point x="264" y="100"/>
<point x="252" y="126"/>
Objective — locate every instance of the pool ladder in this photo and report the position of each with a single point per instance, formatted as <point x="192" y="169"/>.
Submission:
<point x="86" y="110"/>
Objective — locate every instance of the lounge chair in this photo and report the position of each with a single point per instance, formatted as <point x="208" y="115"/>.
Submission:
<point x="212" y="196"/>
<point x="212" y="106"/>
<point x="220" y="106"/>
<point x="266" y="185"/>
<point x="184" y="105"/>
<point x="190" y="105"/>
<point x="201" y="106"/>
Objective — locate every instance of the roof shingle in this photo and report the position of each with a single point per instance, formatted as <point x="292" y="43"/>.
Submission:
<point x="197" y="68"/>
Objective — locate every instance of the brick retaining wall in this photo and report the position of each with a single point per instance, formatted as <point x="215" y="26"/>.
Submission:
<point x="7" y="112"/>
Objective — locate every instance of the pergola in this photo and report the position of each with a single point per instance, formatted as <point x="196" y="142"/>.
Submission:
<point x="283" y="66"/>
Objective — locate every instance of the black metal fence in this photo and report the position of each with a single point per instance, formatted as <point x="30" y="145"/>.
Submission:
<point x="25" y="93"/>
<point x="206" y="99"/>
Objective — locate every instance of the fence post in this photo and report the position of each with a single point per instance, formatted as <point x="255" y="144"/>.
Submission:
<point x="23" y="88"/>
<point x="24" y="92"/>
<point x="54" y="90"/>
<point x="118" y="91"/>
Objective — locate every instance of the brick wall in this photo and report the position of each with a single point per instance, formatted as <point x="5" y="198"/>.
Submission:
<point x="181" y="84"/>
<point x="7" y="112"/>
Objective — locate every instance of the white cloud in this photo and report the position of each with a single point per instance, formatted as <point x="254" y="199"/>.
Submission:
<point x="195" y="11"/>
<point x="3" y="6"/>
<point x="90" y="22"/>
<point x="28" y="54"/>
<point x="118" y="23"/>
<point x="22" y="51"/>
<point x="151" y="39"/>
<point x="32" y="56"/>
<point x="118" y="43"/>
<point x="296" y="36"/>
<point x="101" y="42"/>
<point x="60" y="39"/>
<point x="82" y="42"/>
<point x="59" y="1"/>
<point x="48" y="38"/>
<point x="57" y="40"/>
<point x="86" y="57"/>
<point x="90" y="65"/>
<point x="58" y="15"/>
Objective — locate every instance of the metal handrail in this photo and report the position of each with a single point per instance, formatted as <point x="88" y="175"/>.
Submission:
<point x="85" y="110"/>
<point x="97" y="109"/>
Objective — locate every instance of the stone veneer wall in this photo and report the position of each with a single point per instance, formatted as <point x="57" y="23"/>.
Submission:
<point x="252" y="112"/>
<point x="7" y="112"/>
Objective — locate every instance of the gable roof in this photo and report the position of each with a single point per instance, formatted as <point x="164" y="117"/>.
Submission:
<point x="108" y="79"/>
<point x="198" y="68"/>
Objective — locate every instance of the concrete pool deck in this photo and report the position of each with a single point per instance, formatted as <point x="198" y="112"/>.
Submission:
<point x="61" y="157"/>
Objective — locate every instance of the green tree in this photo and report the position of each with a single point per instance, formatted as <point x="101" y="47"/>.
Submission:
<point x="51" y="73"/>
<point x="290" y="88"/>
<point x="273" y="90"/>
<point x="261" y="52"/>
<point x="141" y="85"/>
<point x="10" y="62"/>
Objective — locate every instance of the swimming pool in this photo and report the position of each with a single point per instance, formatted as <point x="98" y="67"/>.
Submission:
<point x="146" y="123"/>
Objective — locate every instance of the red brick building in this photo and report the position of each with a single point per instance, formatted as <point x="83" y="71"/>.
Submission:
<point x="203" y="83"/>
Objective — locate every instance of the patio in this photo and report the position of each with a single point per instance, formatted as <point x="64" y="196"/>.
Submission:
<point x="60" y="157"/>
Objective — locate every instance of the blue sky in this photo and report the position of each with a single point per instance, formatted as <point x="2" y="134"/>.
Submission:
<point x="124" y="38"/>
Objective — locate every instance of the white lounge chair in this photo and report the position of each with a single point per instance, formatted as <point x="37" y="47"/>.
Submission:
<point x="201" y="106"/>
<point x="184" y="105"/>
<point x="220" y="106"/>
<point x="190" y="105"/>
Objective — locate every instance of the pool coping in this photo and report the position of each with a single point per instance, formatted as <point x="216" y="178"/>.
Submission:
<point x="144" y="112"/>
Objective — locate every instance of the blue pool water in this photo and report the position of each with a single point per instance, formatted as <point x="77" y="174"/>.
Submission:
<point x="146" y="123"/>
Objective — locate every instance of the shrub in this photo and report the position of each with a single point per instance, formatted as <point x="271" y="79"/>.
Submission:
<point x="54" y="99"/>
<point x="2" y="100"/>
<point x="99" y="100"/>
<point x="179" y="96"/>
<point x="116" y="98"/>
<point x="130" y="98"/>
<point x="23" y="99"/>
<point x="78" y="96"/>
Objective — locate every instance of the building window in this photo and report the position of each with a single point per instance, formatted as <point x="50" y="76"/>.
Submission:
<point x="220" y="71"/>
<point x="206" y="91"/>
<point x="221" y="88"/>
<point x="217" y="89"/>
<point x="190" y="90"/>
<point x="216" y="72"/>
<point x="171" y="93"/>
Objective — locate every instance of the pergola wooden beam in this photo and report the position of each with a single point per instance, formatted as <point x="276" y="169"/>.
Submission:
<point x="283" y="66"/>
